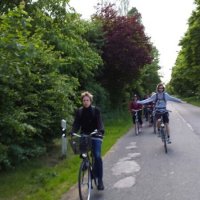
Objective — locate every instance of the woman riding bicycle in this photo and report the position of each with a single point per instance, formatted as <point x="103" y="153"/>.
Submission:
<point x="160" y="99"/>
<point x="87" y="119"/>
<point x="133" y="107"/>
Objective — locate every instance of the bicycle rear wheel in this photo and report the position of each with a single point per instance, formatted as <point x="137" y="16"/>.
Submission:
<point x="84" y="181"/>
<point x="93" y="177"/>
<point x="149" y="119"/>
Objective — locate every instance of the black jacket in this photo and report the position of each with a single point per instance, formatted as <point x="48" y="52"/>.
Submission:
<point x="87" y="120"/>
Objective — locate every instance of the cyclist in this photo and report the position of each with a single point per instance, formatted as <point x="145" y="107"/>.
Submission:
<point x="160" y="99"/>
<point x="145" y="108"/>
<point x="87" y="119"/>
<point x="133" y="107"/>
<point x="148" y="109"/>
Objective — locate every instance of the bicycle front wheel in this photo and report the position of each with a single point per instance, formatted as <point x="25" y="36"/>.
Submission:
<point x="154" y="124"/>
<point x="164" y="139"/>
<point x="84" y="181"/>
<point x="136" y="128"/>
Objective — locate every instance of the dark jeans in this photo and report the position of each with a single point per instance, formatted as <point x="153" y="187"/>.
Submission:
<point x="139" y="117"/>
<point x="98" y="163"/>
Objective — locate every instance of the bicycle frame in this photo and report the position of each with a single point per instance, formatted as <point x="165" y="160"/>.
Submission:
<point x="150" y="115"/>
<point x="154" y="122"/>
<point x="137" y="124"/>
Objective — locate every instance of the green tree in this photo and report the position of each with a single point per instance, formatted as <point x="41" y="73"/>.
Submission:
<point x="185" y="79"/>
<point x="149" y="74"/>
<point x="34" y="95"/>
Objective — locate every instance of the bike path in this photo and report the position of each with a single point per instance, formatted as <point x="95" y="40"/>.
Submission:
<point x="137" y="167"/>
<point x="120" y="170"/>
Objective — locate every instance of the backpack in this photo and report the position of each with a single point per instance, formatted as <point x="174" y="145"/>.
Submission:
<point x="80" y="110"/>
<point x="160" y="99"/>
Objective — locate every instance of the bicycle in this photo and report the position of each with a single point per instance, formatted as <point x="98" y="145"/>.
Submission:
<point x="137" y="124"/>
<point x="150" y="115"/>
<point x="154" y="121"/>
<point x="81" y="144"/>
<point x="163" y="131"/>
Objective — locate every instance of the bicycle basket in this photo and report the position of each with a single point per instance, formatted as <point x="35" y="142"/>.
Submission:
<point x="81" y="145"/>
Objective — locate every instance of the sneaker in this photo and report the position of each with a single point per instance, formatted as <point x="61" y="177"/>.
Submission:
<point x="140" y="130"/>
<point x="100" y="185"/>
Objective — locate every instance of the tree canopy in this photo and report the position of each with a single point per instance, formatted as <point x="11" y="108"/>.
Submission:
<point x="126" y="51"/>
<point x="185" y="74"/>
<point x="49" y="55"/>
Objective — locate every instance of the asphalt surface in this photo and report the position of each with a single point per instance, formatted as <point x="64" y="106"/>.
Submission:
<point x="137" y="168"/>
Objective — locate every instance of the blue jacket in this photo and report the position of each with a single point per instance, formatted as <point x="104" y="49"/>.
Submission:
<point x="160" y="100"/>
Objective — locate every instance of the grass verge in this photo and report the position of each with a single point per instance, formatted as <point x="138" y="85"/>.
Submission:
<point x="49" y="177"/>
<point x="193" y="100"/>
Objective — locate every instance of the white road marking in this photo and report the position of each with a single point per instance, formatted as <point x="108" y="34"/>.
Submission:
<point x="125" y="182"/>
<point x="131" y="146"/>
<point x="130" y="157"/>
<point x="125" y="167"/>
<point x="134" y="155"/>
<point x="188" y="124"/>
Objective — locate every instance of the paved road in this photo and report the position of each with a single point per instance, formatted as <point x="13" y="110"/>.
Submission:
<point x="136" y="168"/>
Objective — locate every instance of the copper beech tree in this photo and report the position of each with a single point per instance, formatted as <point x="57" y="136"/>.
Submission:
<point x="126" y="51"/>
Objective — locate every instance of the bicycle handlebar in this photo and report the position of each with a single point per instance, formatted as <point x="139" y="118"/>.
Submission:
<point x="162" y="112"/>
<point x="133" y="110"/>
<point x="92" y="133"/>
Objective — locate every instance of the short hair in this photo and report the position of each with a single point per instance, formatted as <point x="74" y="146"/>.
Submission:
<point x="87" y="94"/>
<point x="160" y="84"/>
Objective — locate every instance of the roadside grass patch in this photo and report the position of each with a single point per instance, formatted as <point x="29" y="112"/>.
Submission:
<point x="193" y="100"/>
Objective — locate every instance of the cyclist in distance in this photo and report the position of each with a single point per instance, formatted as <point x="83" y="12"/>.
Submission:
<point x="160" y="99"/>
<point x="145" y="108"/>
<point x="87" y="119"/>
<point x="133" y="107"/>
<point x="148" y="109"/>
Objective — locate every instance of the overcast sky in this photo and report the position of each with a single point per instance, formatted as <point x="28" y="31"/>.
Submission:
<point x="165" y="21"/>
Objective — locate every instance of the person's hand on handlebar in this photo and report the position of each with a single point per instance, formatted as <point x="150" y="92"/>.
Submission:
<point x="100" y="132"/>
<point x="71" y="133"/>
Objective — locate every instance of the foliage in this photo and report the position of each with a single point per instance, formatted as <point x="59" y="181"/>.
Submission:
<point x="6" y="5"/>
<point x="41" y="53"/>
<point x="195" y="100"/>
<point x="126" y="51"/>
<point x="49" y="55"/>
<point x="67" y="33"/>
<point x="185" y="74"/>
<point x="149" y="77"/>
